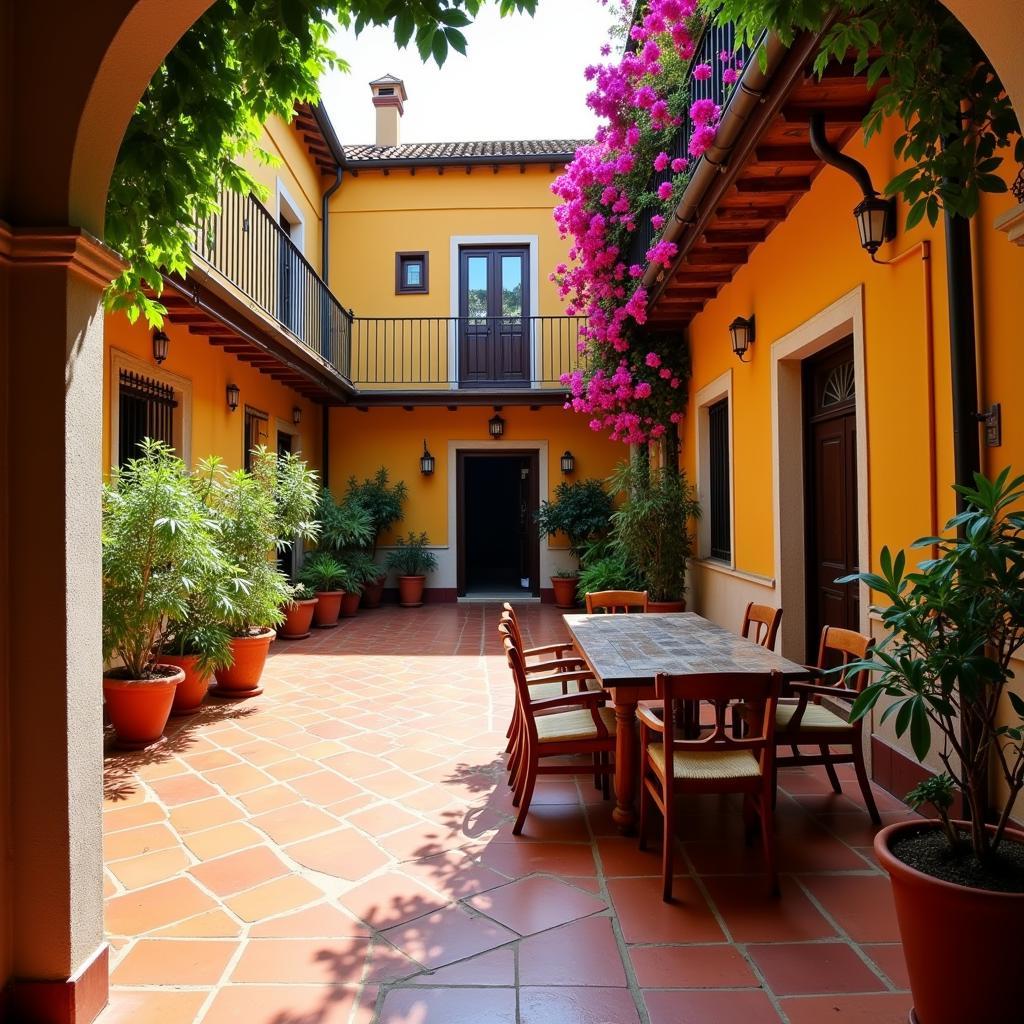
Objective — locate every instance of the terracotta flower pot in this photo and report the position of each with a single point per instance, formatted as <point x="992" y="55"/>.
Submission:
<point x="139" y="708"/>
<point x="298" y="616"/>
<point x="242" y="677"/>
<point x="192" y="689"/>
<point x="963" y="947"/>
<point x="662" y="607"/>
<point x="350" y="604"/>
<point x="410" y="591"/>
<point x="373" y="594"/>
<point x="565" y="590"/>
<point x="328" y="604"/>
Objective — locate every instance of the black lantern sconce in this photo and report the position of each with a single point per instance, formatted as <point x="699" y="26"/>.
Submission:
<point x="426" y="460"/>
<point x="875" y="215"/>
<point x="160" y="345"/>
<point x="233" y="395"/>
<point x="568" y="462"/>
<point x="496" y="426"/>
<point x="741" y="330"/>
<point x="296" y="414"/>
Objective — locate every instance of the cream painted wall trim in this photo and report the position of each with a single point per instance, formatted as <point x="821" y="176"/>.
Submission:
<point x="119" y="361"/>
<point x="709" y="395"/>
<point x="532" y="242"/>
<point x="844" y="317"/>
<point x="287" y="205"/>
<point x="714" y="565"/>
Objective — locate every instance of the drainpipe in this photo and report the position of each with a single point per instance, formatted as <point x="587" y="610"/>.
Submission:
<point x="325" y="231"/>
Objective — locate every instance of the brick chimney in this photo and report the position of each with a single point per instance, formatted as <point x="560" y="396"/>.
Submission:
<point x="388" y="97"/>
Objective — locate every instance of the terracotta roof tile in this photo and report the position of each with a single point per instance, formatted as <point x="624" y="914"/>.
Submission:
<point x="426" y="152"/>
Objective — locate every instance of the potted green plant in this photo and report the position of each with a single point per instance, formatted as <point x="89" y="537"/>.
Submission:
<point x="298" y="613"/>
<point x="651" y="528"/>
<point x="157" y="539"/>
<point x="954" y="626"/>
<point x="412" y="561"/>
<point x="383" y="502"/>
<point x="362" y="571"/>
<point x="259" y="512"/>
<point x="582" y="511"/>
<point x="327" y="578"/>
<point x="605" y="567"/>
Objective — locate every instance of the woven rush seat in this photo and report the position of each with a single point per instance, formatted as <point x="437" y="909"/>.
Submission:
<point x="815" y="717"/>
<point x="711" y="764"/>
<point x="572" y="725"/>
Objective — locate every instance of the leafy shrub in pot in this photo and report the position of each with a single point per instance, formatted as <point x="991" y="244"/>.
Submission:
<point x="327" y="578"/>
<point x="954" y="625"/>
<point x="298" y="614"/>
<point x="582" y="511"/>
<point x="158" y="538"/>
<point x="412" y="560"/>
<point x="258" y="512"/>
<point x="383" y="501"/>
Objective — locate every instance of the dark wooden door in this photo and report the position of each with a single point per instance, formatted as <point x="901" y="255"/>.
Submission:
<point x="494" y="326"/>
<point x="832" y="548"/>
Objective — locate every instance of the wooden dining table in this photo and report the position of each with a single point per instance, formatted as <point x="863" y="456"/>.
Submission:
<point x="626" y="652"/>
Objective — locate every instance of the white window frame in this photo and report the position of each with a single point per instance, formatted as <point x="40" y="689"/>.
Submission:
<point x="709" y="395"/>
<point x="182" y="419"/>
<point x="287" y="205"/>
<point x="456" y="243"/>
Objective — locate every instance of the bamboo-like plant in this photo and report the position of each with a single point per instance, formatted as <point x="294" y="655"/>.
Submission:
<point x="260" y="512"/>
<point x="382" y="499"/>
<point x="323" y="573"/>
<point x="955" y="625"/>
<point x="161" y="551"/>
<point x="581" y="510"/>
<point x="410" y="557"/>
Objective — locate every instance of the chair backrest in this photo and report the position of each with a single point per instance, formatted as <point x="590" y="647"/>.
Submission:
<point x="518" y="670"/>
<point x="758" y="690"/>
<point x="509" y="617"/>
<point x="763" y="620"/>
<point x="615" y="602"/>
<point x="837" y="649"/>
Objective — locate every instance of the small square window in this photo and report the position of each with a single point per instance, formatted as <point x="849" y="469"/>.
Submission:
<point x="411" y="273"/>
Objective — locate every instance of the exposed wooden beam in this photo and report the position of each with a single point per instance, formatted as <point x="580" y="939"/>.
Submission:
<point x="700" y="275"/>
<point x="782" y="154"/>
<point x="735" y="236"/>
<point x="731" y="214"/>
<point x="835" y="117"/>
<point x="791" y="185"/>
<point x="716" y="257"/>
<point x="674" y="291"/>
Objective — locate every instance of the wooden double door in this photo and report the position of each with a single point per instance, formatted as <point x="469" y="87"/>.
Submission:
<point x="830" y="429"/>
<point x="494" y="326"/>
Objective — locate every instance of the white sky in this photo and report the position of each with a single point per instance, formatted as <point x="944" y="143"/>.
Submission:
<point x="522" y="78"/>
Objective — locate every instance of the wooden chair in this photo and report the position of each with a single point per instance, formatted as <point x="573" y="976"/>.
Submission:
<point x="559" y="726"/>
<point x="805" y="721"/>
<point x="763" y="621"/>
<point x="616" y="601"/>
<point x="714" y="763"/>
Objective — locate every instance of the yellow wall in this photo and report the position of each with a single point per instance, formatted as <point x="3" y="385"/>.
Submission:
<point x="391" y="437"/>
<point x="808" y="262"/>
<point x="215" y="429"/>
<point x="374" y="215"/>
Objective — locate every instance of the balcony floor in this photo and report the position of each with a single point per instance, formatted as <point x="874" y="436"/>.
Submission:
<point x="339" y="851"/>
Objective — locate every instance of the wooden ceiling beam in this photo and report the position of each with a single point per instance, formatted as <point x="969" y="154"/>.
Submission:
<point x="731" y="214"/>
<point x="783" y="154"/>
<point x="715" y="257"/>
<point x="780" y="185"/>
<point x="735" y="236"/>
<point x="835" y="117"/>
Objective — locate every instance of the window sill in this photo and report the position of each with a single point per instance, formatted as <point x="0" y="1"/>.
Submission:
<point x="715" y="565"/>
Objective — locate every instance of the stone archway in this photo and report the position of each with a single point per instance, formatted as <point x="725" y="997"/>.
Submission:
<point x="70" y="77"/>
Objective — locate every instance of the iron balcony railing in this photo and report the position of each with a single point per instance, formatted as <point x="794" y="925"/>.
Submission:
<point x="452" y="353"/>
<point x="714" y="40"/>
<point x="246" y="246"/>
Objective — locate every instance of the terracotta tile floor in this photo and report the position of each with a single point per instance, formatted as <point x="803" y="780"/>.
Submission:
<point x="340" y="850"/>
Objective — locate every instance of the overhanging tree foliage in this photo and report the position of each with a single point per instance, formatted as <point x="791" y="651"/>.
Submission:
<point x="241" y="63"/>
<point x="935" y="78"/>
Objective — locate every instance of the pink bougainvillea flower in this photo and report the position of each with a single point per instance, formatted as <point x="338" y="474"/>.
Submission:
<point x="661" y="161"/>
<point x="679" y="164"/>
<point x="665" y="190"/>
<point x="730" y="76"/>
<point x="657" y="222"/>
<point x="653" y="359"/>
<point x="702" y="72"/>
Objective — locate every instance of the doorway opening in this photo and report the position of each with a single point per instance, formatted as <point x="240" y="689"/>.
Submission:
<point x="498" y="542"/>
<point x="830" y="433"/>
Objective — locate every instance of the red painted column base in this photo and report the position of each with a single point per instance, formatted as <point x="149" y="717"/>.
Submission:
<point x="76" y="1000"/>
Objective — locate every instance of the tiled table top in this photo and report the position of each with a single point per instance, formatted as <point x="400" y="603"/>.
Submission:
<point x="632" y="649"/>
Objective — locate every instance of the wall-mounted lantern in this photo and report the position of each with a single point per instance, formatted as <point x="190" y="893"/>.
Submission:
<point x="160" y="345"/>
<point x="426" y="460"/>
<point x="568" y="462"/>
<point x="296" y="414"/>
<point x="875" y="215"/>
<point x="496" y="426"/>
<point x="741" y="330"/>
<point x="233" y="394"/>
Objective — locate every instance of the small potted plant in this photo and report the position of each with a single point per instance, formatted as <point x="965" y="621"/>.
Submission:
<point x="651" y="529"/>
<point x="361" y="570"/>
<point x="412" y="561"/>
<point x="157" y="537"/>
<point x="582" y="511"/>
<point x="955" y="625"/>
<point x="259" y="512"/>
<point x="327" y="578"/>
<point x="383" y="501"/>
<point x="298" y="614"/>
